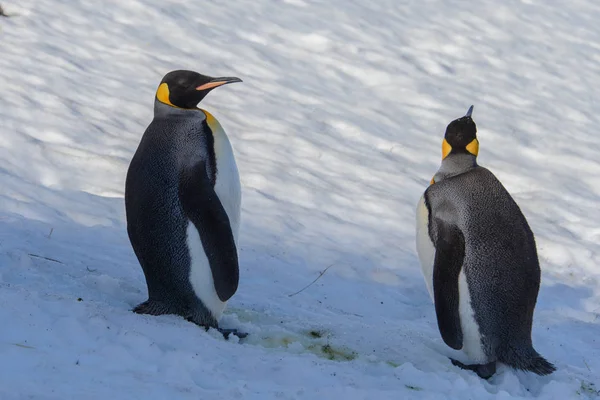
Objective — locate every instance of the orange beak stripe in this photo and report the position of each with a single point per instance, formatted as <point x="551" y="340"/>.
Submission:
<point x="210" y="85"/>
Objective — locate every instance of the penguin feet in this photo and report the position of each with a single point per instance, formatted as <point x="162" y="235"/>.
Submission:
<point x="152" y="307"/>
<point x="484" y="371"/>
<point x="226" y="332"/>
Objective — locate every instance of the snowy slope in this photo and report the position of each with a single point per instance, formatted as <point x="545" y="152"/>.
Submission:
<point x="337" y="129"/>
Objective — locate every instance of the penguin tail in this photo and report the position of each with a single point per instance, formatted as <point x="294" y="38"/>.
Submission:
<point x="527" y="360"/>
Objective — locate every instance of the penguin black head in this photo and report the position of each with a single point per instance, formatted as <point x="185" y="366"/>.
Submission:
<point x="185" y="89"/>
<point x="461" y="136"/>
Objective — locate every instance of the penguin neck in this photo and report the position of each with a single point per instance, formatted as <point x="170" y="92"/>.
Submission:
<point x="162" y="110"/>
<point x="455" y="164"/>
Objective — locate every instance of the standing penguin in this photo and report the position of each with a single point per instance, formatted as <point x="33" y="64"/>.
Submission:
<point x="479" y="260"/>
<point x="182" y="201"/>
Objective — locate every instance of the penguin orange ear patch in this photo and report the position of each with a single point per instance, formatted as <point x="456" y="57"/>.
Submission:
<point x="446" y="149"/>
<point x="431" y="182"/>
<point x="473" y="147"/>
<point x="162" y="94"/>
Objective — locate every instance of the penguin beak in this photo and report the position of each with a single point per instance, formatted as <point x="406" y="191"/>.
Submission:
<point x="216" y="82"/>
<point x="469" y="112"/>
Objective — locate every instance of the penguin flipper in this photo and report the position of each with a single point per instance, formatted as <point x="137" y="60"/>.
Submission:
<point x="449" y="256"/>
<point x="202" y="206"/>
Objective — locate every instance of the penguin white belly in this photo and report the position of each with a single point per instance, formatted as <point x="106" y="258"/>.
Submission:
<point x="229" y="191"/>
<point x="227" y="186"/>
<point x="425" y="248"/>
<point x="471" y="334"/>
<point x="201" y="275"/>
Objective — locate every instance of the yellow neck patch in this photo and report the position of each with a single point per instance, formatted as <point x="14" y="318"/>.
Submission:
<point x="473" y="147"/>
<point x="212" y="122"/>
<point x="210" y="119"/>
<point x="162" y="94"/>
<point x="446" y="149"/>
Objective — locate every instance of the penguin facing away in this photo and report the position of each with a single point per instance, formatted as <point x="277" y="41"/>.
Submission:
<point x="479" y="259"/>
<point x="182" y="201"/>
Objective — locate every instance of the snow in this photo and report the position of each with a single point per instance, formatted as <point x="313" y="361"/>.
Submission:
<point x="337" y="130"/>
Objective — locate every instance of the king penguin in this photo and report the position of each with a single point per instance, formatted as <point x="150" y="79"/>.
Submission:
<point x="182" y="203"/>
<point x="478" y="256"/>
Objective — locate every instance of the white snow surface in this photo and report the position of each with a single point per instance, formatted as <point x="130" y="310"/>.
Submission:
<point x="337" y="130"/>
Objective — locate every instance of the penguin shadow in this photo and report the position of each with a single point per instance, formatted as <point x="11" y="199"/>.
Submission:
<point x="564" y="296"/>
<point x="72" y="243"/>
<point x="83" y="254"/>
<point x="85" y="257"/>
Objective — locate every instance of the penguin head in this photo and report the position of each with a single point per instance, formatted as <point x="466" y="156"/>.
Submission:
<point x="461" y="137"/>
<point x="185" y="89"/>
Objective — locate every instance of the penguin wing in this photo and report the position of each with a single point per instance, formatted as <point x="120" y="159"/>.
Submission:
<point x="203" y="207"/>
<point x="449" y="256"/>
